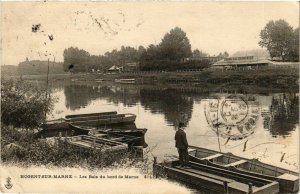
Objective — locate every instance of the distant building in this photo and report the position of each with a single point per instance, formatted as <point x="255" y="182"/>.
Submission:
<point x="114" y="69"/>
<point x="210" y="59"/>
<point x="253" y="59"/>
<point x="129" y="67"/>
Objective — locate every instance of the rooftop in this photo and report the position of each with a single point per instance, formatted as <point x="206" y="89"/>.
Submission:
<point x="249" y="57"/>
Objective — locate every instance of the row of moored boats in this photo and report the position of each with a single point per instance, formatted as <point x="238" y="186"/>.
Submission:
<point x="104" y="130"/>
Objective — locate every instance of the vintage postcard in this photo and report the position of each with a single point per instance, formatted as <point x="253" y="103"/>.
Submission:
<point x="149" y="97"/>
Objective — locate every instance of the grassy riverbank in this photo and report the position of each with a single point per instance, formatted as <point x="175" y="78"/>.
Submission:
<point x="22" y="148"/>
<point x="279" y="78"/>
<point x="24" y="108"/>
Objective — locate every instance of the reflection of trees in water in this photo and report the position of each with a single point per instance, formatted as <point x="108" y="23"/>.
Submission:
<point x="117" y="94"/>
<point x="79" y="96"/>
<point x="176" y="105"/>
<point x="172" y="103"/>
<point x="284" y="114"/>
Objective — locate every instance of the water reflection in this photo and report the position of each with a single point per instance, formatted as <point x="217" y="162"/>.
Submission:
<point x="279" y="112"/>
<point x="282" y="115"/>
<point x="172" y="103"/>
<point x="79" y="96"/>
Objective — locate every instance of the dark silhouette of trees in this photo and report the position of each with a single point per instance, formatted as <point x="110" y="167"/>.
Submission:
<point x="196" y="53"/>
<point x="175" y="45"/>
<point x="294" y="47"/>
<point x="169" y="54"/>
<point x="76" y="59"/>
<point x="279" y="38"/>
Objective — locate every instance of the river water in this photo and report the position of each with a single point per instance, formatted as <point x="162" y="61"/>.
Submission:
<point x="251" y="125"/>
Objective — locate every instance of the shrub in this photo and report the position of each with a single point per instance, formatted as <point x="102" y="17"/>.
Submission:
<point x="23" y="104"/>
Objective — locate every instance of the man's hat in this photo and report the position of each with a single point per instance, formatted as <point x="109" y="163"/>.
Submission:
<point x="181" y="124"/>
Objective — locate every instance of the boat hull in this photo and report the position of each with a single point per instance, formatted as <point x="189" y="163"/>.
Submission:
<point x="94" y="122"/>
<point x="288" y="180"/>
<point x="55" y="125"/>
<point x="91" y="115"/>
<point x="213" y="179"/>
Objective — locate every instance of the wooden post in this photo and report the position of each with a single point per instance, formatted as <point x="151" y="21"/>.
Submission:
<point x="225" y="187"/>
<point x="94" y="142"/>
<point x="250" y="190"/>
<point x="47" y="88"/>
<point x="154" y="167"/>
<point x="60" y="134"/>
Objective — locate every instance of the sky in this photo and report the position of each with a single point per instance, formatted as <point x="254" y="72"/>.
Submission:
<point x="98" y="27"/>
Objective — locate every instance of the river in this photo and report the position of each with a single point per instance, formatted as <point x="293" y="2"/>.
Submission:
<point x="263" y="126"/>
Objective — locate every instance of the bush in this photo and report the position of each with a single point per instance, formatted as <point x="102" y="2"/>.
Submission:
<point x="23" y="148"/>
<point x="23" y="104"/>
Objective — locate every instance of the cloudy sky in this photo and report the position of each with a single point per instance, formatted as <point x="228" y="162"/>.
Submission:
<point x="98" y="27"/>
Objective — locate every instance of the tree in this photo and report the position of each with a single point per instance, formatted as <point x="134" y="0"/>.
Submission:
<point x="24" y="105"/>
<point x="175" y="45"/>
<point x="294" y="48"/>
<point x="197" y="53"/>
<point x="277" y="37"/>
<point x="226" y="54"/>
<point x="223" y="55"/>
<point x="76" y="59"/>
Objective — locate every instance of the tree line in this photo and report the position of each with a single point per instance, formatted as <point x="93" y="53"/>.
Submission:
<point x="79" y="60"/>
<point x="278" y="37"/>
<point x="169" y="54"/>
<point x="37" y="67"/>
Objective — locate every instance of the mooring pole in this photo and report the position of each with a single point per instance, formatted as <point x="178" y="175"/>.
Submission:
<point x="225" y="187"/>
<point x="250" y="190"/>
<point x="47" y="78"/>
<point x="218" y="127"/>
<point x="47" y="88"/>
<point x="154" y="167"/>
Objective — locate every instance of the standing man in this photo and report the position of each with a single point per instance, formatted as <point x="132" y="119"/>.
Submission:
<point x="182" y="145"/>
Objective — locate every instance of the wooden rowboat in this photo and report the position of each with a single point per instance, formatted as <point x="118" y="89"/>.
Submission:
<point x="55" y="124"/>
<point x="104" y="145"/>
<point x="95" y="121"/>
<point x="213" y="179"/>
<point x="136" y="132"/>
<point x="91" y="119"/>
<point x="288" y="180"/>
<point x="90" y="115"/>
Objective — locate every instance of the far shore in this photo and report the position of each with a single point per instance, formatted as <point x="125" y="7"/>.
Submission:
<point x="278" y="79"/>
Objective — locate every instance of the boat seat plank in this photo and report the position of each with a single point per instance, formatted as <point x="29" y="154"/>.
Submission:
<point x="191" y="149"/>
<point x="236" y="163"/>
<point x="216" y="177"/>
<point x="212" y="157"/>
<point x="117" y="138"/>
<point x="100" y="135"/>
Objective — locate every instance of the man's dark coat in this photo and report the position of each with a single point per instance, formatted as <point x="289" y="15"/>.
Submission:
<point x="180" y="139"/>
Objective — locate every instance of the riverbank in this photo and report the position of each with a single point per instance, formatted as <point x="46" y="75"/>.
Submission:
<point x="22" y="148"/>
<point x="271" y="80"/>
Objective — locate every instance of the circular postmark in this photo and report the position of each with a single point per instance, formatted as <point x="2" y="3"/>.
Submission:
<point x="232" y="117"/>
